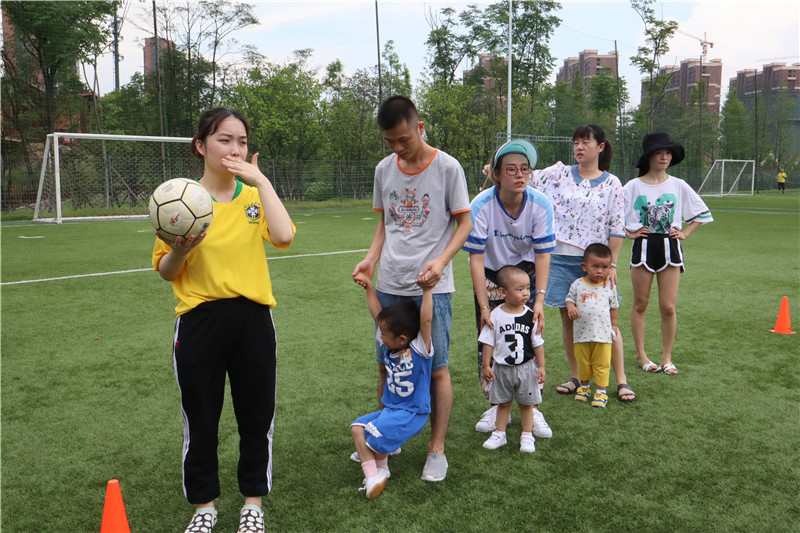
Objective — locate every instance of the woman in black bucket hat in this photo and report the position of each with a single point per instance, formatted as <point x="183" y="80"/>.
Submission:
<point x="656" y="206"/>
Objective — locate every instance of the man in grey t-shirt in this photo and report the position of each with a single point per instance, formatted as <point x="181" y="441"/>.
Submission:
<point x="421" y="193"/>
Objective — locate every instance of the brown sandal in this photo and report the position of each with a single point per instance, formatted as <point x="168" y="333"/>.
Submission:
<point x="623" y="389"/>
<point x="570" y="386"/>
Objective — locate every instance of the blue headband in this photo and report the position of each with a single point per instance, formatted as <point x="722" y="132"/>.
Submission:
<point x="517" y="146"/>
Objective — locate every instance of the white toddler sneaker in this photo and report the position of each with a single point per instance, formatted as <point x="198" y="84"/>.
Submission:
<point x="527" y="444"/>
<point x="497" y="439"/>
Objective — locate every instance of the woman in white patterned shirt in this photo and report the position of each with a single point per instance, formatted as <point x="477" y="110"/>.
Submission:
<point x="588" y="207"/>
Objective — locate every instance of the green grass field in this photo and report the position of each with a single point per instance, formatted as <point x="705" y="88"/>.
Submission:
<point x="89" y="394"/>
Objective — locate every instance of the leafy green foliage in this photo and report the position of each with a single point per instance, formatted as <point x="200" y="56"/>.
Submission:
<point x="735" y="142"/>
<point x="657" y="33"/>
<point x="282" y="103"/>
<point x="606" y="94"/>
<point x="49" y="39"/>
<point x="533" y="24"/>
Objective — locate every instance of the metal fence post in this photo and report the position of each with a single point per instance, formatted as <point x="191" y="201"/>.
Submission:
<point x="341" y="185"/>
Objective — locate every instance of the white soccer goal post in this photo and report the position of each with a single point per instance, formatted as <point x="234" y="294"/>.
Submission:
<point x="87" y="176"/>
<point x="729" y="176"/>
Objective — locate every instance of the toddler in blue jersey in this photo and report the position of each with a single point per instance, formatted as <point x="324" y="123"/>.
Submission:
<point x="404" y="333"/>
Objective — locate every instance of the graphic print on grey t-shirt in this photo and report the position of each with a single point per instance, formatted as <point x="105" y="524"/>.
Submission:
<point x="407" y="212"/>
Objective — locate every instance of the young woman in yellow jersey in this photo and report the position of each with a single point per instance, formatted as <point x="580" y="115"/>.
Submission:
<point x="224" y="327"/>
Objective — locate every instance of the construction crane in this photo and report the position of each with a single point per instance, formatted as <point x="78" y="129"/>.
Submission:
<point x="704" y="42"/>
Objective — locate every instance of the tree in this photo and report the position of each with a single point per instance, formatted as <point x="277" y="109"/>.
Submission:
<point x="448" y="47"/>
<point x="569" y="107"/>
<point x="735" y="141"/>
<point x="657" y="34"/>
<point x="703" y="132"/>
<point x="349" y="114"/>
<point x="56" y="35"/>
<point x="395" y="76"/>
<point x="779" y="109"/>
<point x="196" y="29"/>
<point x="224" y="18"/>
<point x="282" y="103"/>
<point x="604" y="96"/>
<point x="462" y="121"/>
<point x="132" y="110"/>
<point x="451" y="42"/>
<point x="186" y="91"/>
<point x="352" y="135"/>
<point x="533" y="25"/>
<point x="351" y="103"/>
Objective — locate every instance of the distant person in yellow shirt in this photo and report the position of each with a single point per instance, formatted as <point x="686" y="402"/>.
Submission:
<point x="781" y="181"/>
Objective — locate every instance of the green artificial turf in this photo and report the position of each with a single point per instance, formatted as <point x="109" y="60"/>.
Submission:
<point x="88" y="394"/>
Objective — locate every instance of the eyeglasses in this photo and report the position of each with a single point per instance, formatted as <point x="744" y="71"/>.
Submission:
<point x="513" y="171"/>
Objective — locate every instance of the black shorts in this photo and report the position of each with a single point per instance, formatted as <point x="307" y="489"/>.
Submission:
<point x="656" y="252"/>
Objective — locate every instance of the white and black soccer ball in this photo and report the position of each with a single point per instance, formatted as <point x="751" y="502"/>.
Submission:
<point x="181" y="207"/>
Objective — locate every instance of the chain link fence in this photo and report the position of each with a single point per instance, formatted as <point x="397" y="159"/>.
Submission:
<point x="89" y="183"/>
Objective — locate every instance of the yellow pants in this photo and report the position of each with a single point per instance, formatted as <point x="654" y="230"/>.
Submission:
<point x="594" y="361"/>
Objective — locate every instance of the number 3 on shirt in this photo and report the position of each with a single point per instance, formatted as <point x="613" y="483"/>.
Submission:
<point x="516" y="345"/>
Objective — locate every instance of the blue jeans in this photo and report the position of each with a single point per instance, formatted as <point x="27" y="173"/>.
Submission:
<point x="564" y="269"/>
<point x="440" y="327"/>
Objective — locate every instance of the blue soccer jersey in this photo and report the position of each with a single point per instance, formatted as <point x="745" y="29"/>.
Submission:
<point x="408" y="377"/>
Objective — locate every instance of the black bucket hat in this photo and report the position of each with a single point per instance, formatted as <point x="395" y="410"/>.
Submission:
<point x="658" y="141"/>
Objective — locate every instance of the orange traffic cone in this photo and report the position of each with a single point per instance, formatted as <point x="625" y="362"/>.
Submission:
<point x="784" y="323"/>
<point x="114" y="518"/>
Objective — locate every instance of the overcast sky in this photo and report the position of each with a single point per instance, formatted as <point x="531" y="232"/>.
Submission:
<point x="746" y="34"/>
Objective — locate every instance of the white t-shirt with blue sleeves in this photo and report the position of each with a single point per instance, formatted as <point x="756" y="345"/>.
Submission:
<point x="507" y="240"/>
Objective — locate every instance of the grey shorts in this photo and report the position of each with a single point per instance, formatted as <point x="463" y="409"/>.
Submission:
<point x="516" y="382"/>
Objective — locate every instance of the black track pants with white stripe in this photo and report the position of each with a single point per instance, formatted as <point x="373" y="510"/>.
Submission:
<point x="234" y="337"/>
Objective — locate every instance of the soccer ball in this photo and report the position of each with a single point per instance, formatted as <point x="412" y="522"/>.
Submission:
<point x="181" y="207"/>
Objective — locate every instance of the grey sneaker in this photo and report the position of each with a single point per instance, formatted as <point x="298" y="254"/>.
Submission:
<point x="540" y="427"/>
<point x="202" y="522"/>
<point x="435" y="467"/>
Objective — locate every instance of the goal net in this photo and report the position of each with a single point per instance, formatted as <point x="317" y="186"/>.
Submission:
<point x="86" y="176"/>
<point x="729" y="176"/>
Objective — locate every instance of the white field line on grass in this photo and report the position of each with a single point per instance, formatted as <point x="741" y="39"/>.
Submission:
<point x="150" y="269"/>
